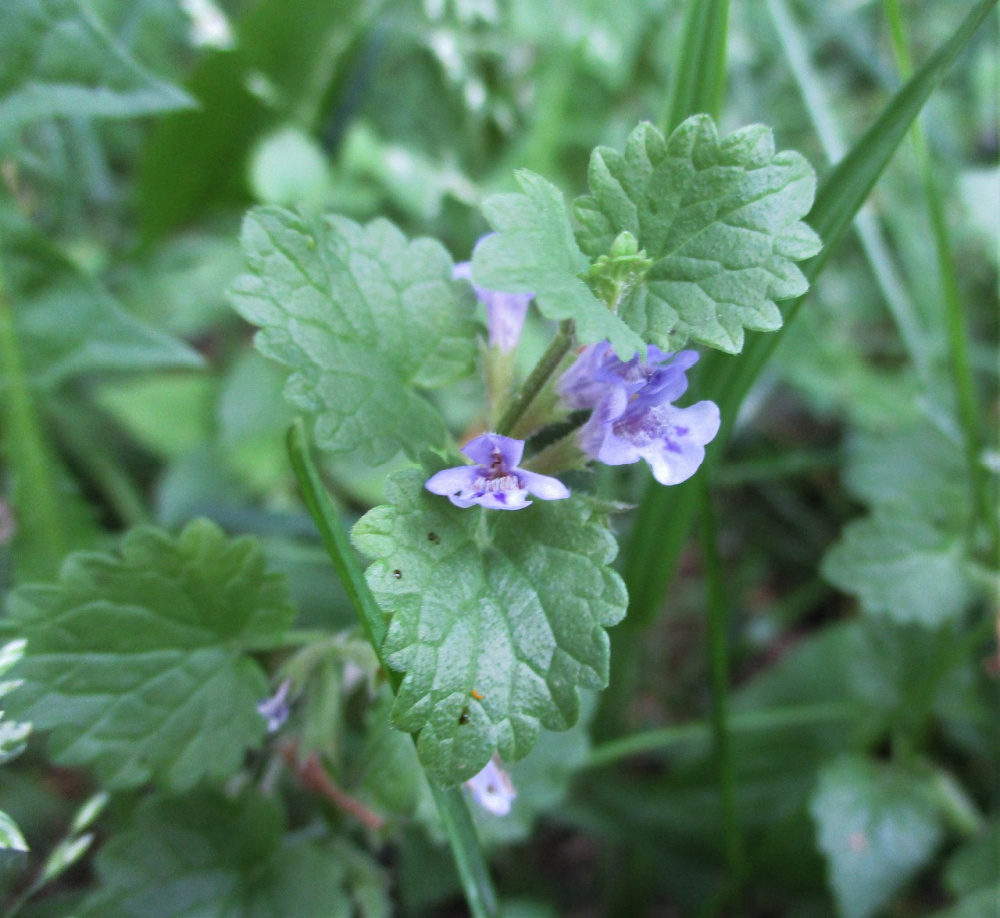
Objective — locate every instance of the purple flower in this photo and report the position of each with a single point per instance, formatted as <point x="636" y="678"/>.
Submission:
<point x="633" y="412"/>
<point x="495" y="482"/>
<point x="492" y="788"/>
<point x="597" y="371"/>
<point x="275" y="709"/>
<point x="505" y="312"/>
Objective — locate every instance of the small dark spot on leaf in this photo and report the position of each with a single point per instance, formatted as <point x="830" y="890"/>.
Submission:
<point x="433" y="537"/>
<point x="464" y="716"/>
<point x="398" y="574"/>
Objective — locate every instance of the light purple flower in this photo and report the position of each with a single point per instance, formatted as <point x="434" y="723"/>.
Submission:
<point x="671" y="439"/>
<point x="492" y="788"/>
<point x="275" y="709"/>
<point x="633" y="412"/>
<point x="495" y="482"/>
<point x="598" y="371"/>
<point x="505" y="312"/>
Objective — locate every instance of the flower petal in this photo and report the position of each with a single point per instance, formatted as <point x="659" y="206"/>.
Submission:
<point x="503" y="500"/>
<point x="483" y="450"/>
<point x="451" y="481"/>
<point x="543" y="486"/>
<point x="492" y="789"/>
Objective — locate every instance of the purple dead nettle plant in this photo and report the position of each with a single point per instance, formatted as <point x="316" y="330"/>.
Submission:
<point x="633" y="416"/>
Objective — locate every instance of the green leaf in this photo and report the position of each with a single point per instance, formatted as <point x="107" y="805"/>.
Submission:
<point x="973" y="905"/>
<point x="361" y="316"/>
<point x="58" y="60"/>
<point x="168" y="413"/>
<point x="11" y="838"/>
<point x="393" y="776"/>
<point x="287" y="55"/>
<point x="912" y="467"/>
<point x="511" y="607"/>
<point x="901" y="565"/>
<point x="206" y="855"/>
<point x="974" y="865"/>
<point x="908" y="559"/>
<point x="721" y="220"/>
<point x="877" y="828"/>
<point x="534" y="251"/>
<point x="13" y="735"/>
<point x="136" y="663"/>
<point x="67" y="324"/>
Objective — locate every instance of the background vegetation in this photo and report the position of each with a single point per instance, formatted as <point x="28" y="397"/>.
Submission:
<point x="802" y="716"/>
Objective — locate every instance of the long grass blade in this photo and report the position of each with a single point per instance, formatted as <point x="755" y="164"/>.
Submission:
<point x="472" y="867"/>
<point x="958" y="339"/>
<point x="718" y="661"/>
<point x="700" y="75"/>
<point x="37" y="498"/>
<point x="866" y="224"/>
<point x="650" y="559"/>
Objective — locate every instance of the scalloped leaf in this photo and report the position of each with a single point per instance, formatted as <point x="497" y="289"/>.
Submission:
<point x="137" y="665"/>
<point x="363" y="318"/>
<point x="204" y="854"/>
<point x="877" y="826"/>
<point x="496" y="621"/>
<point x="534" y="251"/>
<point x="719" y="217"/>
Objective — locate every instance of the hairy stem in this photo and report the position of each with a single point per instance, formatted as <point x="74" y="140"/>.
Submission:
<point x="547" y="364"/>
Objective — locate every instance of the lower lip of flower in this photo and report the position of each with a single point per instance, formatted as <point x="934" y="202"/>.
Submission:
<point x="503" y="483"/>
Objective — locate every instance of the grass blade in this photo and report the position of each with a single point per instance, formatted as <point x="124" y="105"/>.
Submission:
<point x="958" y="339"/>
<point x="869" y="232"/>
<point x="650" y="558"/>
<point x="700" y="76"/>
<point x="472" y="868"/>
<point x="718" y="661"/>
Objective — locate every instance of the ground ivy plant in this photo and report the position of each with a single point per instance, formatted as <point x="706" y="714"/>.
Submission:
<point x="497" y="619"/>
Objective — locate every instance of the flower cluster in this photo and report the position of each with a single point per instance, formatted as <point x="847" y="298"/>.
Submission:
<point x="495" y="481"/>
<point x="633" y="416"/>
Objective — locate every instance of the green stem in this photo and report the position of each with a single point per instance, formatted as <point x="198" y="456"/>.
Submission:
<point x="37" y="497"/>
<point x="718" y="658"/>
<point x="547" y="364"/>
<point x="958" y="339"/>
<point x="472" y="867"/>
<point x="666" y="738"/>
